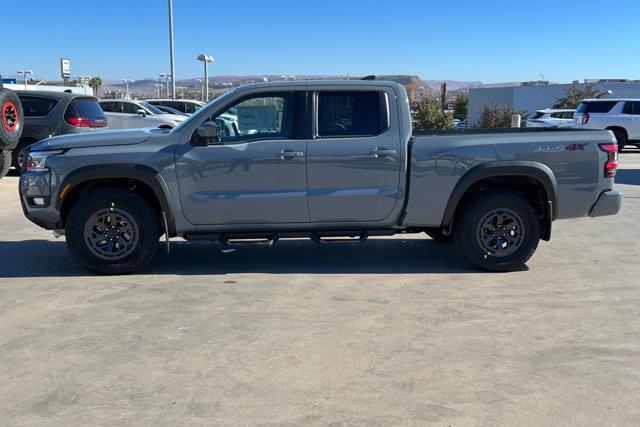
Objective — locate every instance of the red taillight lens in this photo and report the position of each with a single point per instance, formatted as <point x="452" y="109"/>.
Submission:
<point x="83" y="122"/>
<point x="585" y="118"/>
<point x="611" y="165"/>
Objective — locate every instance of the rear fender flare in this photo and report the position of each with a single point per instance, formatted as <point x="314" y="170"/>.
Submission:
<point x="530" y="169"/>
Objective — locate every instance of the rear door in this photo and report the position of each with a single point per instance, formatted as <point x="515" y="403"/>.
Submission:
<point x="354" y="157"/>
<point x="631" y="117"/>
<point x="113" y="111"/>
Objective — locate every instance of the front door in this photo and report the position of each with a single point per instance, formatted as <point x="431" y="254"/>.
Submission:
<point x="255" y="172"/>
<point x="354" y="160"/>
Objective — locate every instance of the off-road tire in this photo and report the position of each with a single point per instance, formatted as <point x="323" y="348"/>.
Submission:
<point x="437" y="235"/>
<point x="11" y="119"/>
<point x="5" y="162"/>
<point x="621" y="139"/>
<point x="467" y="230"/>
<point x="146" y="221"/>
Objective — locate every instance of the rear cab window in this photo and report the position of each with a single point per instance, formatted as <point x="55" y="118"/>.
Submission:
<point x="351" y="114"/>
<point x="37" y="106"/>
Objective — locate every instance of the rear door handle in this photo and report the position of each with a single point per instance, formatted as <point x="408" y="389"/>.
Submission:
<point x="289" y="154"/>
<point x="382" y="152"/>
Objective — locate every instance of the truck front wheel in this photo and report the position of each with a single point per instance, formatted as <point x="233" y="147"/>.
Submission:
<point x="112" y="231"/>
<point x="498" y="232"/>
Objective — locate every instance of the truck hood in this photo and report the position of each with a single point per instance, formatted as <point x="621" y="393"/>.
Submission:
<point x="96" y="139"/>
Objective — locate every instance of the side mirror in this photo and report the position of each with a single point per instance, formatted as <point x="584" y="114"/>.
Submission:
<point x="208" y="132"/>
<point x="142" y="112"/>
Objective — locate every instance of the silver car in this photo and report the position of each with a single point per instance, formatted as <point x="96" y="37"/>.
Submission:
<point x="128" y="114"/>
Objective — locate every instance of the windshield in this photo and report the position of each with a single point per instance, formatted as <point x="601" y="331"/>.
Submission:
<point x="198" y="115"/>
<point x="152" y="108"/>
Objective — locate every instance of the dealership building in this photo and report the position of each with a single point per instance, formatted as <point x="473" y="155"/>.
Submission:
<point x="532" y="96"/>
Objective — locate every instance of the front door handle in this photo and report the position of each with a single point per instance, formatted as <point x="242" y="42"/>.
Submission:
<point x="383" y="152"/>
<point x="289" y="154"/>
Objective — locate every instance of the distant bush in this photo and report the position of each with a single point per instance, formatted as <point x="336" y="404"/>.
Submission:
<point x="574" y="95"/>
<point x="498" y="116"/>
<point x="429" y="115"/>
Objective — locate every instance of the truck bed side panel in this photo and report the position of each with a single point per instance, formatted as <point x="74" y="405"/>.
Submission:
<point x="439" y="161"/>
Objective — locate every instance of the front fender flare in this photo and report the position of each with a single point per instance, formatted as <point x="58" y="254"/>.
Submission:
<point x="142" y="173"/>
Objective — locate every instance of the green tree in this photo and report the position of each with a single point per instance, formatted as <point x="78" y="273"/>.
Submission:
<point x="429" y="115"/>
<point x="498" y="116"/>
<point x="575" y="94"/>
<point x="95" y="84"/>
<point x="461" y="106"/>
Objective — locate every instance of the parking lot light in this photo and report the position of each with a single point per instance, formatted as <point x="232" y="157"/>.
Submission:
<point x="126" y="82"/>
<point x="205" y="60"/>
<point x="25" y="73"/>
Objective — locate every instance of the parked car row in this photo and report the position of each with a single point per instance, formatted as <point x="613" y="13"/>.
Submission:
<point x="48" y="113"/>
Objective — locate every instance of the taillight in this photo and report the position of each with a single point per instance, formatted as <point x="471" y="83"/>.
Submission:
<point x="611" y="165"/>
<point x="585" y="118"/>
<point x="83" y="122"/>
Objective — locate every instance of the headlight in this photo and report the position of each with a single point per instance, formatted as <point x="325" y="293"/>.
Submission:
<point x="37" y="160"/>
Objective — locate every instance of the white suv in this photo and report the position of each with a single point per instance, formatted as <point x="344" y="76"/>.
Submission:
<point x="622" y="116"/>
<point x="550" y="118"/>
<point x="128" y="113"/>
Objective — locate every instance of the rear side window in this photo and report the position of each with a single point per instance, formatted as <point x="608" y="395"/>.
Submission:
<point x="537" y="115"/>
<point x="190" y="108"/>
<point x="632" y="108"/>
<point x="35" y="106"/>
<point x="85" y="107"/>
<point x="351" y="114"/>
<point x="596" y="107"/>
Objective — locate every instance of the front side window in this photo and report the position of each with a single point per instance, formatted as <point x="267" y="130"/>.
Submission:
<point x="130" y="108"/>
<point x="255" y="118"/>
<point x="631" y="108"/>
<point x="349" y="114"/>
<point x="35" y="106"/>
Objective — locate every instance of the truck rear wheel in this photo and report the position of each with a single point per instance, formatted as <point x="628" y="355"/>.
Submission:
<point x="498" y="232"/>
<point x="112" y="231"/>
<point x="5" y="162"/>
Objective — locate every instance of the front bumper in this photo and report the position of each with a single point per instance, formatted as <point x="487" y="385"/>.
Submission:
<point x="35" y="196"/>
<point x="608" y="203"/>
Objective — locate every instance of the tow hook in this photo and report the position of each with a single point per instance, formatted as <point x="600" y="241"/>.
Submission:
<point x="58" y="233"/>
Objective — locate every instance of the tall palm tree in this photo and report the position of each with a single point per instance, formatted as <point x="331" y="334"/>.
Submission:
<point x="95" y="84"/>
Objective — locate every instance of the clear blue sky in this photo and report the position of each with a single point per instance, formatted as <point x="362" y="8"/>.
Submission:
<point x="491" y="41"/>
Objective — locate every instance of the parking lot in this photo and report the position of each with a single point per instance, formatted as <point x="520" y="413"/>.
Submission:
<point x="396" y="331"/>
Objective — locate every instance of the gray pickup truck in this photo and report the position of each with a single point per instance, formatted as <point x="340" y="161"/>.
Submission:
<point x="326" y="160"/>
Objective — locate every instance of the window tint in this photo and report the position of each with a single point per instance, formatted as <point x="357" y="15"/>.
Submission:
<point x="537" y="115"/>
<point x="631" y="108"/>
<point x="261" y="117"/>
<point x="85" y="107"/>
<point x="110" y="107"/>
<point x="190" y="108"/>
<point x="568" y="115"/>
<point x="596" y="107"/>
<point x="35" y="106"/>
<point x="130" y="108"/>
<point x="557" y="115"/>
<point x="349" y="114"/>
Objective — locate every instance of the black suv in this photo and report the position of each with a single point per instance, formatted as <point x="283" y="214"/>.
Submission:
<point x="49" y="114"/>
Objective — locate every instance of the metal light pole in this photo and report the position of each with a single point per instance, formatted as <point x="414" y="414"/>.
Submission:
<point x="173" y="71"/>
<point x="158" y="86"/>
<point x="160" y="77"/>
<point x="205" y="60"/>
<point x="199" y="81"/>
<point x="169" y="76"/>
<point x="126" y="82"/>
<point x="25" y="73"/>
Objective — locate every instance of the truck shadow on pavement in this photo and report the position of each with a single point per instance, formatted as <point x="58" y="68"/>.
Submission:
<point x="45" y="258"/>
<point x="628" y="176"/>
